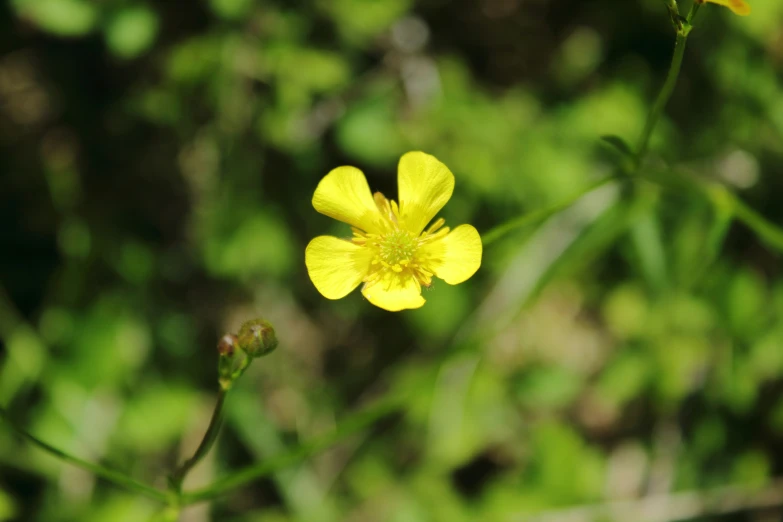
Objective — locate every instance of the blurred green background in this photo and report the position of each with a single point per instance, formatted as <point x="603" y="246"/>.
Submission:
<point x="157" y="161"/>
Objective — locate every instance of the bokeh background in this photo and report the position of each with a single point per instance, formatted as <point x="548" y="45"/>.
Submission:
<point x="157" y="161"/>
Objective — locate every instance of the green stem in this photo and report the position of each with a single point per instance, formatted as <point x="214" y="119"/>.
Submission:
<point x="764" y="229"/>
<point x="684" y="29"/>
<point x="179" y="474"/>
<point x="539" y="215"/>
<point x="116" y="477"/>
<point x="663" y="97"/>
<point x="674" y="13"/>
<point x="694" y="9"/>
<point x="348" y="427"/>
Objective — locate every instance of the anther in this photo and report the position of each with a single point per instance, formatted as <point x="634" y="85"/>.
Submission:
<point x="435" y="226"/>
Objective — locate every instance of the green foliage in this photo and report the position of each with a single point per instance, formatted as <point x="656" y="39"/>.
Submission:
<point x="7" y="506"/>
<point x="60" y="17"/>
<point x="622" y="338"/>
<point x="131" y="31"/>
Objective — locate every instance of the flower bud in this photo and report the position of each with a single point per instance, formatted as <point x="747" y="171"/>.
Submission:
<point x="257" y="338"/>
<point x="230" y="360"/>
<point x="227" y="345"/>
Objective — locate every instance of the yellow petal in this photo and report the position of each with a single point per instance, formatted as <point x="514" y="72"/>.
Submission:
<point x="344" y="195"/>
<point x="336" y="266"/>
<point x="425" y="186"/>
<point x="454" y="257"/>
<point x="394" y="292"/>
<point x="739" y="7"/>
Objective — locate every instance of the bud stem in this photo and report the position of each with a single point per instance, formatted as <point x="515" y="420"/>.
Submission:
<point x="178" y="476"/>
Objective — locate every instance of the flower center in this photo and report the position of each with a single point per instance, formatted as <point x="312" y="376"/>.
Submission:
<point x="394" y="252"/>
<point x="396" y="249"/>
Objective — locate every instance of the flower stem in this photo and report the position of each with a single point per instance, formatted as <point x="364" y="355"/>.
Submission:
<point x="357" y="422"/>
<point x="539" y="215"/>
<point x="683" y="30"/>
<point x="117" y="477"/>
<point x="178" y="476"/>
<point x="663" y="98"/>
<point x="765" y="230"/>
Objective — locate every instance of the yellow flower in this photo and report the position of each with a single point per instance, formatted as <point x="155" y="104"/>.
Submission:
<point x="390" y="251"/>
<point x="739" y="7"/>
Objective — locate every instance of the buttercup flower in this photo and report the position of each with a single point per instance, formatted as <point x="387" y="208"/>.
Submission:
<point x="739" y="7"/>
<point x="390" y="251"/>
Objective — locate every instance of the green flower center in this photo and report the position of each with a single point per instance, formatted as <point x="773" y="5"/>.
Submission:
<point x="396" y="249"/>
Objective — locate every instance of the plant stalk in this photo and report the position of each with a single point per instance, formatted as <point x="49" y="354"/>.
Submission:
<point x="672" y="76"/>
<point x="179" y="474"/>
<point x="663" y="98"/>
<point x="117" y="477"/>
<point x="355" y="423"/>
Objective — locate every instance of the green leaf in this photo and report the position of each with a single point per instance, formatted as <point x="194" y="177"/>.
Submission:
<point x="625" y="377"/>
<point x="548" y="388"/>
<point x="591" y="241"/>
<point x="194" y="60"/>
<point x="618" y="145"/>
<point x="369" y="132"/>
<point x="117" y="477"/>
<point x="649" y="249"/>
<point x="746" y="303"/>
<point x="60" y="17"/>
<point x="7" y="506"/>
<point x="156" y="417"/>
<point x="626" y="311"/>
<point x="752" y="468"/>
<point x="132" y="31"/>
<point x="258" y="244"/>
<point x="359" y="21"/>
<point x="679" y="181"/>
<point x="231" y="9"/>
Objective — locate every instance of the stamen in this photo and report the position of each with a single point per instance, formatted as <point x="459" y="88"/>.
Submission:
<point x="396" y="211"/>
<point x="396" y="250"/>
<point x="435" y="226"/>
<point x="432" y="237"/>
<point x="387" y="210"/>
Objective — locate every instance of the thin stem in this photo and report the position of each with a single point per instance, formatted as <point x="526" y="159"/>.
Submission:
<point x="539" y="215"/>
<point x="764" y="229"/>
<point x="117" y="477"/>
<point x="348" y="427"/>
<point x="178" y="476"/>
<point x="663" y="97"/>
<point x="684" y="29"/>
<point x="694" y="9"/>
<point x="674" y="13"/>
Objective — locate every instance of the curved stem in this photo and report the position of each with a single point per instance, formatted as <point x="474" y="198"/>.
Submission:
<point x="178" y="476"/>
<point x="117" y="477"/>
<point x="663" y="97"/>
<point x="733" y="206"/>
<point x="348" y="427"/>
<point x="539" y="215"/>
<point x="672" y="76"/>
<point x="683" y="30"/>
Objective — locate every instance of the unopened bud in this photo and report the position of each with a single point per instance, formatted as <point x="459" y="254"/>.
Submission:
<point x="257" y="338"/>
<point x="227" y="345"/>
